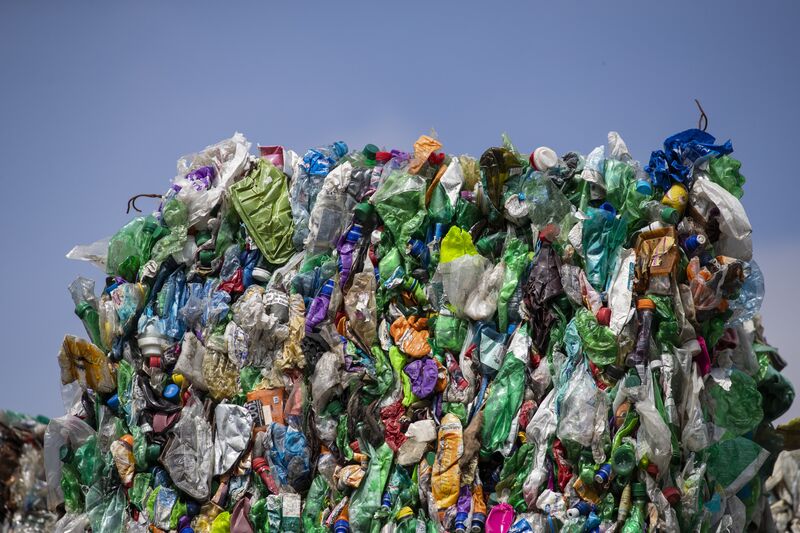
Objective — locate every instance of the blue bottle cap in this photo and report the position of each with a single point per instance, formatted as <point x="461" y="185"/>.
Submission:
<point x="340" y="148"/>
<point x="644" y="187"/>
<point x="438" y="231"/>
<point x="355" y="233"/>
<point x="341" y="526"/>
<point x="417" y="247"/>
<point x="511" y="328"/>
<point x="187" y="529"/>
<point x="113" y="402"/>
<point x="171" y="391"/>
<point x="605" y="206"/>
<point x="192" y="508"/>
<point x="327" y="289"/>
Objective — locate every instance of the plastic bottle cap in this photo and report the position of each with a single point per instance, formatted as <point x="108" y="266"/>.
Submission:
<point x="605" y="206"/>
<point x="644" y="187"/>
<point x="645" y="303"/>
<point x="544" y="158"/>
<point x="177" y="378"/>
<point x="206" y="256"/>
<point x="638" y="491"/>
<point x="149" y="225"/>
<point x="187" y="529"/>
<point x="259" y="463"/>
<point x="670" y="215"/>
<point x="261" y="275"/>
<point x="154" y="361"/>
<point x="202" y="238"/>
<point x="340" y="147"/>
<point x="171" y="391"/>
<point x="127" y="439"/>
<point x="113" y="402"/>
<point x="370" y="151"/>
<point x="152" y="453"/>
<point x="603" y="316"/>
<point x="673" y="495"/>
<point x="383" y="157"/>
<point x="417" y="247"/>
<point x="327" y="289"/>
<point x="404" y="513"/>
<point x="354" y="234"/>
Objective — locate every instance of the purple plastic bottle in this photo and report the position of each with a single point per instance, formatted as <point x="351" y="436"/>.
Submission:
<point x="347" y="248"/>
<point x="318" y="309"/>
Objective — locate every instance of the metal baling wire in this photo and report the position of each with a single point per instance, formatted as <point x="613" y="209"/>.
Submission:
<point x="702" y="122"/>
<point x="132" y="201"/>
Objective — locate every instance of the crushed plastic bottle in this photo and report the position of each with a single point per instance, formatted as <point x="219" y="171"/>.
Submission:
<point x="386" y="341"/>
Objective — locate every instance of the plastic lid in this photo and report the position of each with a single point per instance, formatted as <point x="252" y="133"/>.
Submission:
<point x="259" y="463"/>
<point x="113" y="402"/>
<point x="154" y="361"/>
<point x="672" y="494"/>
<point x="605" y="206"/>
<point x="354" y="234"/>
<point x="327" y="289"/>
<point x="171" y="391"/>
<point x="187" y="529"/>
<point x="260" y="274"/>
<point x="645" y="303"/>
<point x="638" y="491"/>
<point x="383" y="157"/>
<point x="206" y="256"/>
<point x="202" y="238"/>
<point x="363" y="211"/>
<point x="670" y="215"/>
<point x="614" y="372"/>
<point x="417" y="247"/>
<point x="604" y="316"/>
<point x="644" y="187"/>
<point x="544" y="158"/>
<point x="340" y="147"/>
<point x="404" y="514"/>
<point x="150" y="225"/>
<point x="370" y="151"/>
<point x="152" y="453"/>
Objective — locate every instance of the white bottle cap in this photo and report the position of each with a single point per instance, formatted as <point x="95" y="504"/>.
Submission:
<point x="544" y="158"/>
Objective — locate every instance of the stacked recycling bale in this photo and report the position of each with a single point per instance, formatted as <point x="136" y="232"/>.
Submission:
<point x="389" y="341"/>
<point x="23" y="487"/>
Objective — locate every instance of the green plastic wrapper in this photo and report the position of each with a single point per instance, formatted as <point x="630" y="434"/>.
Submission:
<point x="603" y="233"/>
<point x="724" y="171"/>
<point x="467" y="214"/>
<point x="512" y="477"/>
<point x="259" y="517"/>
<point x="129" y="249"/>
<point x="505" y="394"/>
<point x="71" y="486"/>
<point x="733" y="463"/>
<point x="618" y="179"/>
<point x="400" y="202"/>
<point x="456" y="243"/>
<point x="176" y="217"/>
<point x="367" y="497"/>
<point x="599" y="342"/>
<point x="315" y="501"/>
<point x="138" y="492"/>
<point x="262" y="201"/>
<point x="738" y="409"/>
<point x="88" y="461"/>
<point x="450" y="332"/>
<point x="516" y="259"/>
<point x="668" y="333"/>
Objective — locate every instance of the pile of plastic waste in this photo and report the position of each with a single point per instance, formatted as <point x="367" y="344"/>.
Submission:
<point x="389" y="341"/>
<point x="23" y="488"/>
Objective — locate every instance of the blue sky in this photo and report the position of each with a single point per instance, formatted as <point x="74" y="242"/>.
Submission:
<point x="98" y="100"/>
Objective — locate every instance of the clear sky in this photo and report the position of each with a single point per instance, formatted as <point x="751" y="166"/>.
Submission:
<point x="98" y="100"/>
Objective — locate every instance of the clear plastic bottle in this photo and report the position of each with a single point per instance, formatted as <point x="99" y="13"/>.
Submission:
<point x="640" y="354"/>
<point x="82" y="291"/>
<point x="658" y="212"/>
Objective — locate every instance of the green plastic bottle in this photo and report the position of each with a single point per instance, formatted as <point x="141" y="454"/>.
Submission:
<point x="635" y="522"/>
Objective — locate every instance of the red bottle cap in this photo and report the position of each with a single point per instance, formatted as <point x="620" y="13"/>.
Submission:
<point x="652" y="469"/>
<point x="383" y="157"/>
<point x="604" y="316"/>
<point x="673" y="495"/>
<point x="154" y="361"/>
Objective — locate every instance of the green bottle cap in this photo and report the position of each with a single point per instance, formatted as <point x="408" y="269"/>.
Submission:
<point x="369" y="151"/>
<point x="150" y="225"/>
<point x="202" y="238"/>
<point x="82" y="308"/>
<point x="206" y="256"/>
<point x="670" y="215"/>
<point x="363" y="211"/>
<point x="153" y="451"/>
<point x="639" y="491"/>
